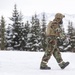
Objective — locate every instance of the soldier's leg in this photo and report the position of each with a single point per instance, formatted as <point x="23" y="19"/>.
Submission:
<point x="47" y="55"/>
<point x="57" y="55"/>
<point x="59" y="59"/>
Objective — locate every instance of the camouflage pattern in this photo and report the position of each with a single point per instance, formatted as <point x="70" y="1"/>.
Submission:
<point x="52" y="32"/>
<point x="51" y="49"/>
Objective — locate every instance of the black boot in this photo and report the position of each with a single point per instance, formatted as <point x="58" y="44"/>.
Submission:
<point x="45" y="67"/>
<point x="64" y="64"/>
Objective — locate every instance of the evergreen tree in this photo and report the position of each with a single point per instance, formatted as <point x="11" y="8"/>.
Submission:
<point x="16" y="28"/>
<point x="70" y="28"/>
<point x="27" y="27"/>
<point x="71" y="33"/>
<point x="25" y="32"/>
<point x="8" y="37"/>
<point x="43" y="29"/>
<point x="35" y="37"/>
<point x="3" y="41"/>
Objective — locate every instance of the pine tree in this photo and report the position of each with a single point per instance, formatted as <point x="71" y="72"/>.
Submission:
<point x="8" y="37"/>
<point x="43" y="29"/>
<point x="71" y="33"/>
<point x="70" y="28"/>
<point x="16" y="28"/>
<point x="3" y="41"/>
<point x="35" y="34"/>
<point x="27" y="27"/>
<point x="25" y="32"/>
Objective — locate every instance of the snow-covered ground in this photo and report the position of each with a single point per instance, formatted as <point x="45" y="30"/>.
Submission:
<point x="28" y="63"/>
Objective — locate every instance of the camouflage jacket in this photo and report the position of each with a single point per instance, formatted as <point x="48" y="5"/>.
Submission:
<point x="53" y="29"/>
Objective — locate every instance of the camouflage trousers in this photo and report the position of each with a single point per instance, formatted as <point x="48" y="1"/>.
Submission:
<point x="51" y="49"/>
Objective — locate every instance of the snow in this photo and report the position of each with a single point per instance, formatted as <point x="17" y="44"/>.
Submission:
<point x="28" y="63"/>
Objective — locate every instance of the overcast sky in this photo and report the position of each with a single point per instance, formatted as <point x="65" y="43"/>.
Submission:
<point x="30" y="7"/>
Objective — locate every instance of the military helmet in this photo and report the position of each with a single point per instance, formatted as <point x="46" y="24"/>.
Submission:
<point x="59" y="15"/>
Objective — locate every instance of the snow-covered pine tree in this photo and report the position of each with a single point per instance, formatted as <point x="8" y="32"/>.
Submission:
<point x="16" y="28"/>
<point x="70" y="28"/>
<point x="71" y="34"/>
<point x="25" y="32"/>
<point x="2" y="33"/>
<point x="8" y="37"/>
<point x="43" y="29"/>
<point x="35" y="38"/>
<point x="30" y="36"/>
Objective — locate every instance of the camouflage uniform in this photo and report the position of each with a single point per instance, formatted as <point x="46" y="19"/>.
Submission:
<point x="52" y="32"/>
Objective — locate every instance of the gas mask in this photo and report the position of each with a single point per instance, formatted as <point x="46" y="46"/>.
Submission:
<point x="61" y="22"/>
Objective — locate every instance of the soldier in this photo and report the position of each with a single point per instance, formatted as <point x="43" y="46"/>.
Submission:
<point x="52" y="32"/>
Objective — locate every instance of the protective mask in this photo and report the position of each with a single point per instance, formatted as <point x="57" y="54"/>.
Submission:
<point x="61" y="22"/>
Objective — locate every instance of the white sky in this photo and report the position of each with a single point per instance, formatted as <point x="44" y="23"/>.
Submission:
<point x="30" y="7"/>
